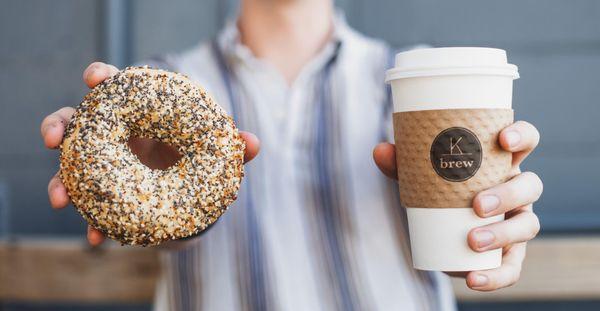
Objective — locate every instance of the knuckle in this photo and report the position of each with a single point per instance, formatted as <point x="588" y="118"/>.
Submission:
<point x="501" y="240"/>
<point x="535" y="135"/>
<point x="536" y="181"/>
<point x="91" y="68"/>
<point x="65" y="114"/>
<point x="508" y="193"/>
<point x="530" y="131"/>
<point x="64" y="110"/>
<point x="535" y="226"/>
<point x="529" y="175"/>
<point x="112" y="67"/>
<point x="51" y="197"/>
<point x="47" y="119"/>
<point x="493" y="283"/>
<point x="45" y="123"/>
<point x="521" y="123"/>
<point x="536" y="138"/>
<point x="524" y="124"/>
<point x="95" y="65"/>
<point x="516" y="276"/>
<point x="514" y="171"/>
<point x="511" y="282"/>
<point x="512" y="274"/>
<point x="530" y="126"/>
<point x="51" y="185"/>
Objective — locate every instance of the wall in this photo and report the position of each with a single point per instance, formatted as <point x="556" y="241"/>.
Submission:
<point x="45" y="45"/>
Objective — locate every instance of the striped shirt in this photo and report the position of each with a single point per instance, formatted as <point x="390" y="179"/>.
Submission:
<point x="316" y="226"/>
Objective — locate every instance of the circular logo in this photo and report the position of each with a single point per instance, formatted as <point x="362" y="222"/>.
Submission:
<point x="456" y="154"/>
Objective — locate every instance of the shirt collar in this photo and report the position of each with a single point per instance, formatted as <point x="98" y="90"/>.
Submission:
<point x="230" y="44"/>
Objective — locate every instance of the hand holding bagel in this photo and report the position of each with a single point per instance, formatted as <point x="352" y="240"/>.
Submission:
<point x="150" y="152"/>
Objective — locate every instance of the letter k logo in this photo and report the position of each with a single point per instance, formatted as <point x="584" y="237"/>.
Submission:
<point x="454" y="145"/>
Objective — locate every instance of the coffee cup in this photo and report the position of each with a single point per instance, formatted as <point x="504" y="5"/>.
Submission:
<point x="450" y="104"/>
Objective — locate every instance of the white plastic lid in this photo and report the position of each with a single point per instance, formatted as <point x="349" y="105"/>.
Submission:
<point x="451" y="61"/>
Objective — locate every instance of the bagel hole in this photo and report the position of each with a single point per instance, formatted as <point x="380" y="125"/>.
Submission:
<point x="153" y="153"/>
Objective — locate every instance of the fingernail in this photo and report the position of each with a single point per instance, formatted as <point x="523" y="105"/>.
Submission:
<point x="484" y="238"/>
<point x="512" y="138"/>
<point x="489" y="203"/>
<point x="479" y="280"/>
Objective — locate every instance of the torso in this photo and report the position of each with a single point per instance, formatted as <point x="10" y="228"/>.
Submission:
<point x="316" y="225"/>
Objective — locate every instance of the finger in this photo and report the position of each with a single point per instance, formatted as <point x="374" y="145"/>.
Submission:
<point x="94" y="236"/>
<point x="252" y="145"/>
<point x="520" y="138"/>
<point x="506" y="275"/>
<point x="521" y="190"/>
<point x="57" y="193"/>
<point x="54" y="125"/>
<point x="97" y="72"/>
<point x="521" y="227"/>
<point x="384" y="156"/>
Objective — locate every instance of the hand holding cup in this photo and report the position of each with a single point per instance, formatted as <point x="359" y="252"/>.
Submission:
<point x="457" y="156"/>
<point x="515" y="198"/>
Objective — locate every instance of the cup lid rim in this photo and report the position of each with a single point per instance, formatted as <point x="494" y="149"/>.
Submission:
<point x="508" y="70"/>
<point x="458" y="60"/>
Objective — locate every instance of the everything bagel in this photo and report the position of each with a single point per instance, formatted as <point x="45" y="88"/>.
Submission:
<point x="127" y="200"/>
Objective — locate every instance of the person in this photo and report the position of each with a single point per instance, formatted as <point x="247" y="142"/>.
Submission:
<point x="316" y="226"/>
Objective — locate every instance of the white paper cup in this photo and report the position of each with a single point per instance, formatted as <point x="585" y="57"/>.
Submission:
<point x="450" y="78"/>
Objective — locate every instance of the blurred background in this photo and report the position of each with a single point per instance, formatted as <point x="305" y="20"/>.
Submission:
<point x="46" y="45"/>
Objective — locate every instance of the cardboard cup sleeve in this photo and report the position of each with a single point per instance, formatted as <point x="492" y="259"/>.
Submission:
<point x="445" y="157"/>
